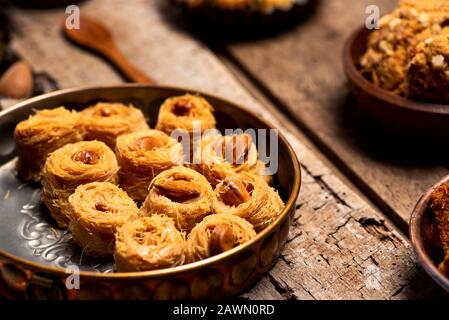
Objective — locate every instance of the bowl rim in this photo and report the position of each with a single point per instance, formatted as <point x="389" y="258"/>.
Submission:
<point x="291" y="202"/>
<point x="416" y="237"/>
<point x="357" y="79"/>
<point x="275" y="9"/>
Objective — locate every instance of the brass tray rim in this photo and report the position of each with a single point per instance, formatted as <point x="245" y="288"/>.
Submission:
<point x="183" y="268"/>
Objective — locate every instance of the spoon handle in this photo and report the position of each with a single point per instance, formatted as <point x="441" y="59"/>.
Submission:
<point x="130" y="71"/>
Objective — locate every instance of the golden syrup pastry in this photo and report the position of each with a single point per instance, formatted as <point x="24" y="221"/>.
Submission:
<point x="107" y="121"/>
<point x="149" y="243"/>
<point x="143" y="155"/>
<point x="250" y="197"/>
<point x="96" y="210"/>
<point x="217" y="233"/>
<point x="182" y="194"/>
<point x="41" y="134"/>
<point x="71" y="166"/>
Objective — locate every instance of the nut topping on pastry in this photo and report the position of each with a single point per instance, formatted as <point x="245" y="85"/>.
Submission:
<point x="222" y="239"/>
<point x="102" y="207"/>
<point x="104" y="112"/>
<point x="178" y="190"/>
<point x="238" y="148"/>
<point x="234" y="192"/>
<point x="240" y="145"/>
<point x="149" y="143"/>
<point x="86" y="157"/>
<point x="183" y="107"/>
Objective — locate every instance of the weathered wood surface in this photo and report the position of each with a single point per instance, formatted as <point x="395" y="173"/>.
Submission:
<point x="302" y="69"/>
<point x="339" y="247"/>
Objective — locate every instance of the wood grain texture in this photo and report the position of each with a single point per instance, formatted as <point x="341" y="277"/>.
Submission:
<point x="339" y="247"/>
<point x="302" y="70"/>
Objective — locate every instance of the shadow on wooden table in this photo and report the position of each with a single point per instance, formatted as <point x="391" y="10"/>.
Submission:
<point x="387" y="145"/>
<point x="422" y="283"/>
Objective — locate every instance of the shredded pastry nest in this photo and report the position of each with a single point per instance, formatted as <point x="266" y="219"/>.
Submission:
<point x="106" y="121"/>
<point x="97" y="209"/>
<point x="41" y="134"/>
<point x="263" y="206"/>
<point x="200" y="240"/>
<point x="215" y="164"/>
<point x="73" y="165"/>
<point x="149" y="243"/>
<point x="183" y="112"/>
<point x="185" y="212"/>
<point x="143" y="155"/>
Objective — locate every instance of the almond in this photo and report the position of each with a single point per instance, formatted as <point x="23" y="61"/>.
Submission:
<point x="241" y="146"/>
<point x="236" y="150"/>
<point x="183" y="107"/>
<point x="17" y="81"/>
<point x="145" y="238"/>
<point x="222" y="239"/>
<point x="233" y="192"/>
<point x="177" y="190"/>
<point x="102" y="207"/>
<point x="103" y="112"/>
<point x="149" y="143"/>
<point x="86" y="157"/>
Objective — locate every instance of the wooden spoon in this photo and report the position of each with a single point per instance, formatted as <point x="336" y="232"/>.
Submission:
<point x="95" y="36"/>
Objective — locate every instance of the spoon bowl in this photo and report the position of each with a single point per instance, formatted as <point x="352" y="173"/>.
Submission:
<point x="95" y="36"/>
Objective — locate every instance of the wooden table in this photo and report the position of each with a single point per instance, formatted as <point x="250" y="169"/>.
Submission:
<point x="348" y="240"/>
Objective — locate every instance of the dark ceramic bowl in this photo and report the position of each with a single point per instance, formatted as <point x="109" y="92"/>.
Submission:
<point x="389" y="111"/>
<point x="34" y="255"/>
<point x="245" y="22"/>
<point x="425" y="237"/>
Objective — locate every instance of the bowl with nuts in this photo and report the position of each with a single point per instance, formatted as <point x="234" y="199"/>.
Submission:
<point x="400" y="71"/>
<point x="238" y="19"/>
<point x="429" y="232"/>
<point x="140" y="192"/>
